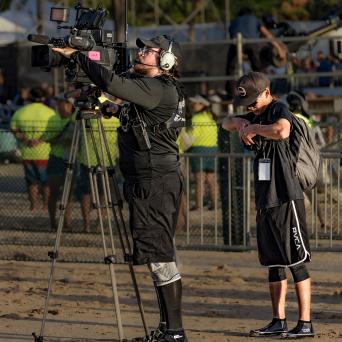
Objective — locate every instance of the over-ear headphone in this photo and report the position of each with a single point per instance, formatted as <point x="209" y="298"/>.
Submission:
<point x="167" y="58"/>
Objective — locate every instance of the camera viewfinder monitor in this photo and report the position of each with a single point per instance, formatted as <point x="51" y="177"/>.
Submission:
<point x="59" y="14"/>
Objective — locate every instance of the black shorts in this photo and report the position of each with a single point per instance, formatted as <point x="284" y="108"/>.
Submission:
<point x="153" y="210"/>
<point x="282" y="235"/>
<point x="56" y="166"/>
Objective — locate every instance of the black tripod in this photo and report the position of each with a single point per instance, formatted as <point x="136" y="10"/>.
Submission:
<point x="87" y="100"/>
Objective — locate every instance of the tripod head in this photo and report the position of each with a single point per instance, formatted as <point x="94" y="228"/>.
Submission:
<point x="86" y="97"/>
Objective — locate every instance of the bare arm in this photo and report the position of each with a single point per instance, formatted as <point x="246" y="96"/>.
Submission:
<point x="22" y="138"/>
<point x="278" y="131"/>
<point x="281" y="48"/>
<point x="145" y="92"/>
<point x="234" y="123"/>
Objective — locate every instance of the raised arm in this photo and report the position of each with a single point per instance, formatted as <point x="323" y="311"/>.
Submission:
<point x="280" y="130"/>
<point x="140" y="91"/>
<point x="281" y="48"/>
<point x="234" y="123"/>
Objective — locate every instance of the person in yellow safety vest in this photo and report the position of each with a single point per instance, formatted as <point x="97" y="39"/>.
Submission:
<point x="29" y="124"/>
<point x="204" y="133"/>
<point x="60" y="139"/>
<point x="184" y="142"/>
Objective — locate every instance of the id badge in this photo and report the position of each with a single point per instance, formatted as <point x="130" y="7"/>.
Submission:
<point x="264" y="169"/>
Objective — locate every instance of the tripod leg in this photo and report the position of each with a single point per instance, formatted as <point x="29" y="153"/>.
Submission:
<point x="117" y="205"/>
<point x="64" y="201"/>
<point x="100" y="169"/>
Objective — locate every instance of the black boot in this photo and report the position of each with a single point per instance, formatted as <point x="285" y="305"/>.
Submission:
<point x="302" y="329"/>
<point x="276" y="327"/>
<point x="173" y="336"/>
<point x="171" y="299"/>
<point x="155" y="334"/>
<point x="162" y="326"/>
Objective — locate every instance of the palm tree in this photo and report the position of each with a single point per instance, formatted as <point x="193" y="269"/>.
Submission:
<point x="40" y="19"/>
<point x="118" y="8"/>
<point x="4" y="5"/>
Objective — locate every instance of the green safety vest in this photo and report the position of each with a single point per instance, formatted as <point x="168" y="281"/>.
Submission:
<point x="204" y="130"/>
<point x="34" y="120"/>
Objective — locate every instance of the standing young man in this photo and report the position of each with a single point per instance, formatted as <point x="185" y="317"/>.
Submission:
<point x="153" y="183"/>
<point x="281" y="224"/>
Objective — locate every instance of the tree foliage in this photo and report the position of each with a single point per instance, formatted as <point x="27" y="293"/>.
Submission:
<point x="324" y="8"/>
<point x="4" y="5"/>
<point x="143" y="13"/>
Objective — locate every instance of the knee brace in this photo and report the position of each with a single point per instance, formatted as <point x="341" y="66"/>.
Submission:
<point x="164" y="273"/>
<point x="299" y="273"/>
<point x="276" y="274"/>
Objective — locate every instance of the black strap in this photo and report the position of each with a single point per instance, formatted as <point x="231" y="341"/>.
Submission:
<point x="157" y="128"/>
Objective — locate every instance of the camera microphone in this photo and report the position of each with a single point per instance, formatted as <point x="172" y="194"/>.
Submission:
<point x="151" y="65"/>
<point x="39" y="38"/>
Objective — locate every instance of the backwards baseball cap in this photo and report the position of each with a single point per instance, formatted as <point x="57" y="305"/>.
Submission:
<point x="249" y="87"/>
<point x="160" y="42"/>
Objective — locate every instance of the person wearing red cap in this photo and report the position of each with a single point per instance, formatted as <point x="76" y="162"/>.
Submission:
<point x="282" y="236"/>
<point x="149" y="162"/>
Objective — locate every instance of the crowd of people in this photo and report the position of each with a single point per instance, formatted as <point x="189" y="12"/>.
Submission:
<point x="275" y="58"/>
<point x="308" y="64"/>
<point x="321" y="63"/>
<point x="42" y="128"/>
<point x="45" y="146"/>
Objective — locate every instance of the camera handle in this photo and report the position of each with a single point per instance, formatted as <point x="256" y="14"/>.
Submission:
<point x="113" y="201"/>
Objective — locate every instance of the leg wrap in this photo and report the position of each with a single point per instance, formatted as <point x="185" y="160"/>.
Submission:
<point x="164" y="273"/>
<point x="299" y="273"/>
<point x="276" y="274"/>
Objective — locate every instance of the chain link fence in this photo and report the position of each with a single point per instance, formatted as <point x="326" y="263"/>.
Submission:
<point x="224" y="218"/>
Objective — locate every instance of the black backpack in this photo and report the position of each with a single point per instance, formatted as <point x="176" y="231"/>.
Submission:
<point x="305" y="154"/>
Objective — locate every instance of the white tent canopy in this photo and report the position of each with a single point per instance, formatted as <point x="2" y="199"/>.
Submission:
<point x="10" y="31"/>
<point x="8" y="26"/>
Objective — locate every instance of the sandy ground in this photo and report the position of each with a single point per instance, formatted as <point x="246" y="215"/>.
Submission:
<point x="225" y="295"/>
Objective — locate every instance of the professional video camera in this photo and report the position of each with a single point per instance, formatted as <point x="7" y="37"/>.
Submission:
<point x="88" y="36"/>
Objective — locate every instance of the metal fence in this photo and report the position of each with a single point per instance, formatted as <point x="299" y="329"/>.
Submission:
<point x="213" y="229"/>
<point x="225" y="222"/>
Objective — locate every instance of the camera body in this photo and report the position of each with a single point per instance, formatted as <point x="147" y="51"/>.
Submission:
<point x="86" y="35"/>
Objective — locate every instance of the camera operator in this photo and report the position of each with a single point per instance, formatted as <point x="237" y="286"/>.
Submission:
<point x="149" y="163"/>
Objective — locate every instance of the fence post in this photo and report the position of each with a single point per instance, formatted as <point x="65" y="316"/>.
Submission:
<point x="239" y="49"/>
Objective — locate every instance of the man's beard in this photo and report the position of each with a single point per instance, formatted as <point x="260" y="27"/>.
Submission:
<point x="141" y="69"/>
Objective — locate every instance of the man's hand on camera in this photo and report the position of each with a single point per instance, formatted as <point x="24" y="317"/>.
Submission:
<point x="66" y="52"/>
<point x="109" y="110"/>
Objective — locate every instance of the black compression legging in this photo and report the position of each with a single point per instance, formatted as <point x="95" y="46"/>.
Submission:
<point x="299" y="273"/>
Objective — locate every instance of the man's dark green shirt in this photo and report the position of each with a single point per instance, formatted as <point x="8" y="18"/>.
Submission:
<point x="156" y="99"/>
